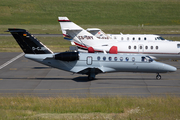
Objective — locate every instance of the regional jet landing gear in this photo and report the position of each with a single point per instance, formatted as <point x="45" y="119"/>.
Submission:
<point x="158" y="77"/>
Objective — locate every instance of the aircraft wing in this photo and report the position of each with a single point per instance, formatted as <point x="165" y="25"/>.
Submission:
<point x="89" y="70"/>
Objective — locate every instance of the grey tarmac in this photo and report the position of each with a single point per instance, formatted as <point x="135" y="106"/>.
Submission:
<point x="29" y="78"/>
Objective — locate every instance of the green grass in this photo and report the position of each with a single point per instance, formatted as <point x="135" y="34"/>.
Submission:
<point x="56" y="44"/>
<point x="132" y="108"/>
<point x="91" y="12"/>
<point x="110" y="29"/>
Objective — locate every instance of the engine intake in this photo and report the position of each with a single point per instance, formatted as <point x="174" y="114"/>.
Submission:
<point x="67" y="56"/>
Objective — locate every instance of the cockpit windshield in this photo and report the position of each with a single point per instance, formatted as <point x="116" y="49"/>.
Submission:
<point x="146" y="59"/>
<point x="149" y="58"/>
<point x="160" y="38"/>
<point x="178" y="45"/>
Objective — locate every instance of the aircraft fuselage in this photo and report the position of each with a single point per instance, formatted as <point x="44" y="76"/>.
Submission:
<point x="105" y="63"/>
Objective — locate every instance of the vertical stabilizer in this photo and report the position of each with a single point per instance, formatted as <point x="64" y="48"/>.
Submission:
<point x="28" y="43"/>
<point x="80" y="37"/>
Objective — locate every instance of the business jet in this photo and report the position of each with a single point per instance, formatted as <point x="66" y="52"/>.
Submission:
<point x="90" y="64"/>
<point x="157" y="49"/>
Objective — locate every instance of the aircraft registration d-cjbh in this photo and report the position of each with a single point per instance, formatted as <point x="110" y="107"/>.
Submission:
<point x="157" y="49"/>
<point x="90" y="64"/>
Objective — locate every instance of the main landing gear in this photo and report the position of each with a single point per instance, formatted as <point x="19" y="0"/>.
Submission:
<point x="91" y="74"/>
<point x="90" y="77"/>
<point x="158" y="77"/>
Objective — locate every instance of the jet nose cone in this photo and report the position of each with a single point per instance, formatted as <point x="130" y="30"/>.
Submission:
<point x="169" y="68"/>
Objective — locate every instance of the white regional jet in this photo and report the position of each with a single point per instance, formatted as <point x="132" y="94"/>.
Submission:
<point x="90" y="64"/>
<point x="157" y="49"/>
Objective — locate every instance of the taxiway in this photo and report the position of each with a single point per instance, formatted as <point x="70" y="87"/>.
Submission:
<point x="26" y="77"/>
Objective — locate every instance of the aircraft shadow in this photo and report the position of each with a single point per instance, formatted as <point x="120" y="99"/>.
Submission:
<point x="82" y="79"/>
<point x="42" y="68"/>
<point x="79" y="79"/>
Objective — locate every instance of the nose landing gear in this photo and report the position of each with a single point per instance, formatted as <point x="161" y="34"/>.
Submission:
<point x="158" y="77"/>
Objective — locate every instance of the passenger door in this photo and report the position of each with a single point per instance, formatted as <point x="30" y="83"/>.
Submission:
<point x="89" y="60"/>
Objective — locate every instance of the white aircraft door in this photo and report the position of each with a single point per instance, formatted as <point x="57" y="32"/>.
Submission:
<point x="141" y="48"/>
<point x="89" y="60"/>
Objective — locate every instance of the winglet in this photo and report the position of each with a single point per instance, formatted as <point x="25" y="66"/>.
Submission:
<point x="63" y="19"/>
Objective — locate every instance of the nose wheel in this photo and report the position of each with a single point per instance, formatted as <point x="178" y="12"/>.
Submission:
<point x="158" y="77"/>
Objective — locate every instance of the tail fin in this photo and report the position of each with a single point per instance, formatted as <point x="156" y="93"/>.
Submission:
<point x="28" y="43"/>
<point x="80" y="37"/>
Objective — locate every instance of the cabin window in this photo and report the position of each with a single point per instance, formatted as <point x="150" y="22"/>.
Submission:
<point x="151" y="47"/>
<point x="133" y="59"/>
<point x="110" y="58"/>
<point x="114" y="37"/>
<point x="133" y="38"/>
<point x="140" y="47"/>
<point x="143" y="59"/>
<point x="139" y="38"/>
<point x="98" y="58"/>
<point x="127" y="38"/>
<point x="115" y="58"/>
<point x="121" y="38"/>
<point x="157" y="47"/>
<point x="135" y="47"/>
<point x="178" y="45"/>
<point x="146" y="47"/>
<point x="129" y="47"/>
<point x="127" y="59"/>
<point x="104" y="58"/>
<point x="121" y="58"/>
<point x="145" y="38"/>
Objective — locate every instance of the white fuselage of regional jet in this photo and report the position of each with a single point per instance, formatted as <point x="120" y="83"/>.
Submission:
<point x="125" y="37"/>
<point x="157" y="50"/>
<point x="136" y="37"/>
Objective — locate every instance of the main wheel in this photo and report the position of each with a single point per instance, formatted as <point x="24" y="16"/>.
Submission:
<point x="90" y="78"/>
<point x="158" y="77"/>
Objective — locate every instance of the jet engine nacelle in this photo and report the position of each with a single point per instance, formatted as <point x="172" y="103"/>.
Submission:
<point x="67" y="56"/>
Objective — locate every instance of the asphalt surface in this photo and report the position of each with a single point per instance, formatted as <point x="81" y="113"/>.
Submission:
<point x="26" y="77"/>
